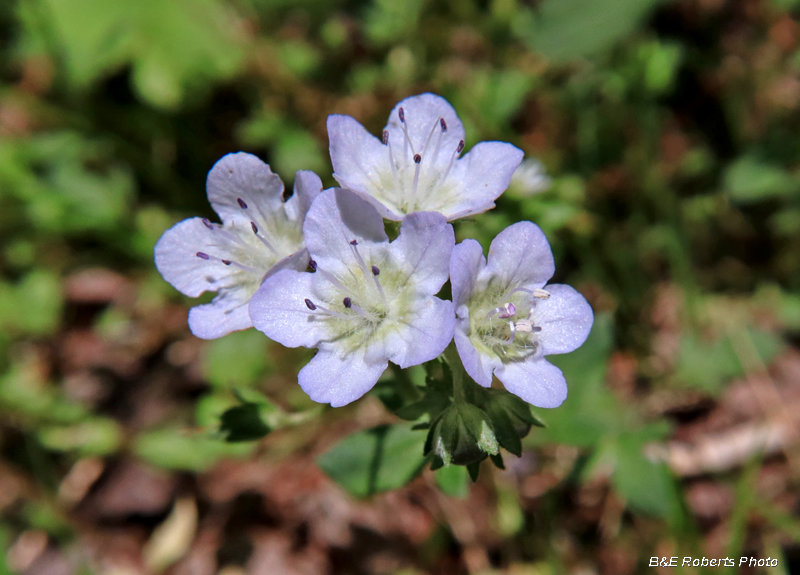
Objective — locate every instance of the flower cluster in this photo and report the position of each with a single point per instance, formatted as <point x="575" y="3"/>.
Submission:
<point x="319" y="270"/>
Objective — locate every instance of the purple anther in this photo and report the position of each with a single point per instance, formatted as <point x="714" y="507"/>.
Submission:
<point x="417" y="158"/>
<point x="254" y="227"/>
<point x="313" y="265"/>
<point x="207" y="224"/>
<point x="510" y="311"/>
<point x="385" y="137"/>
<point x="202" y="256"/>
<point x="241" y="203"/>
<point x="310" y="304"/>
<point x="376" y="270"/>
<point x="460" y="147"/>
<point x="354" y="243"/>
<point x="227" y="262"/>
<point x="348" y="303"/>
<point x="443" y="124"/>
<point x="402" y="115"/>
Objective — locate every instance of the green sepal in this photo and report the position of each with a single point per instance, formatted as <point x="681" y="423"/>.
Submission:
<point x="474" y="469"/>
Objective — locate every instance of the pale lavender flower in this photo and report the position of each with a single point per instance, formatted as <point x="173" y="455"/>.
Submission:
<point x="368" y="301"/>
<point x="529" y="178"/>
<point x="259" y="235"/>
<point x="508" y="319"/>
<point x="415" y="165"/>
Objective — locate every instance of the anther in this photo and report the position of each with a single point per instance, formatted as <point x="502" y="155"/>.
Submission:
<point x="202" y="256"/>
<point x="541" y="294"/>
<point x="310" y="304"/>
<point x="354" y="243"/>
<point x="241" y="203"/>
<point x="313" y="265"/>
<point x="402" y="115"/>
<point x="207" y="224"/>
<point x="417" y="158"/>
<point x="443" y="124"/>
<point x="460" y="147"/>
<point x="385" y="137"/>
<point x="376" y="270"/>
<point x="348" y="303"/>
<point x="254" y="227"/>
<point x="226" y="262"/>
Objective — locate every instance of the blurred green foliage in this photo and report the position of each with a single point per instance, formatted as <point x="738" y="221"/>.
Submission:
<point x="669" y="129"/>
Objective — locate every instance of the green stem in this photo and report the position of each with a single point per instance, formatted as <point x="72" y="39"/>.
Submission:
<point x="457" y="369"/>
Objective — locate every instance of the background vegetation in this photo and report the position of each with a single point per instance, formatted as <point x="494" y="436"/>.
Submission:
<point x="671" y="133"/>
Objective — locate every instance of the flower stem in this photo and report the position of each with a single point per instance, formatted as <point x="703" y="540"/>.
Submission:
<point x="457" y="369"/>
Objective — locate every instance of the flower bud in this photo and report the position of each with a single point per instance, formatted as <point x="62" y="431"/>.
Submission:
<point x="463" y="435"/>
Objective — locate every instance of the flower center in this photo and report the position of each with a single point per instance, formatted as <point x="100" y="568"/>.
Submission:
<point x="419" y="177"/>
<point x="509" y="329"/>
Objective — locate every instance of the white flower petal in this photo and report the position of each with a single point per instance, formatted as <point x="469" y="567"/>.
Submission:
<point x="339" y="380"/>
<point x="278" y="309"/>
<point x="307" y="186"/>
<point x="479" y="366"/>
<point x="423" y="334"/>
<point x="423" y="249"/>
<point x="338" y="217"/>
<point x="243" y="176"/>
<point x="423" y="114"/>
<point x="565" y="318"/>
<point x="227" y="313"/>
<point x="177" y="260"/>
<point x="465" y="266"/>
<point x="521" y="256"/>
<point x="480" y="177"/>
<point x="536" y="381"/>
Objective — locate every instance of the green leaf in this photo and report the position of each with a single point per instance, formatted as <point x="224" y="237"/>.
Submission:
<point x="452" y="480"/>
<point x="375" y="460"/>
<point x="243" y="423"/>
<point x="172" y="46"/>
<point x="238" y="359"/>
<point x="179" y="449"/>
<point x="565" y="30"/>
<point x="96" y="436"/>
<point x="749" y="179"/>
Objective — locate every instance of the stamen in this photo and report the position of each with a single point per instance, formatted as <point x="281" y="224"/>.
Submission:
<point x="207" y="224"/>
<point x="512" y="328"/>
<point x="443" y="124"/>
<point x="452" y="162"/>
<point x="263" y="240"/>
<point x="391" y="158"/>
<point x="415" y="185"/>
<point x="430" y="134"/>
<point x="205" y="256"/>
<point x="348" y="303"/>
<point x="331" y="278"/>
<point x="310" y="304"/>
<point x="376" y="271"/>
<point x="363" y="313"/>
<point x="313" y="265"/>
<point x="385" y="137"/>
<point x="366" y="270"/>
<point x="241" y="203"/>
<point x="402" y="115"/>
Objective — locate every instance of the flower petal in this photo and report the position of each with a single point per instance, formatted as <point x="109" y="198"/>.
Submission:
<point x="307" y="186"/>
<point x="227" y="313"/>
<point x="482" y="175"/>
<point x="177" y="260"/>
<point x="338" y="217"/>
<point x="339" y="380"/>
<point x="422" y="336"/>
<point x="565" y="318"/>
<point x="278" y="309"/>
<point x="243" y="176"/>
<point x="465" y="266"/>
<point x="536" y="381"/>
<point x="423" y="249"/>
<point x="359" y="160"/>
<point x="422" y="118"/>
<point x="479" y="366"/>
<point x="521" y="256"/>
